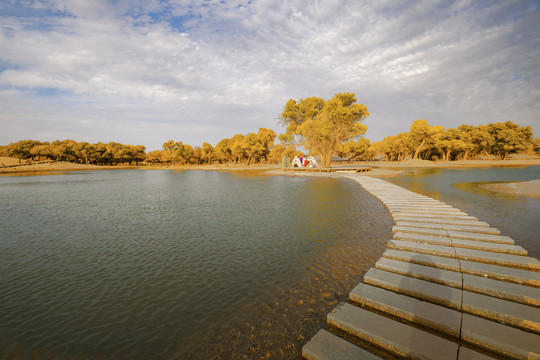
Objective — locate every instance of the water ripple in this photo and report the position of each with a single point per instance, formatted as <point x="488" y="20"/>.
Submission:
<point x="158" y="264"/>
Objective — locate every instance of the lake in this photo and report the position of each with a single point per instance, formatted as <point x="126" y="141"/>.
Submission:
<point x="161" y="264"/>
<point x="158" y="264"/>
<point x="516" y="216"/>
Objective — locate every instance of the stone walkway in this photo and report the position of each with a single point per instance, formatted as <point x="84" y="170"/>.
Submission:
<point x="447" y="287"/>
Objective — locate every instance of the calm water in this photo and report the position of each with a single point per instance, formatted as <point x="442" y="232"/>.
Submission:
<point x="162" y="265"/>
<point x="516" y="216"/>
<point x="202" y="265"/>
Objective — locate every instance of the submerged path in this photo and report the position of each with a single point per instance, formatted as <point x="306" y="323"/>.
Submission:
<point x="447" y="287"/>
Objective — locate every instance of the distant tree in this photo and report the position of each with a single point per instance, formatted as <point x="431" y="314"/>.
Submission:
<point x="379" y="148"/>
<point x="43" y="150"/>
<point x="509" y="138"/>
<point x="4" y="150"/>
<point x="258" y="146"/>
<point x="450" y="144"/>
<point x="139" y="153"/>
<point x="353" y="150"/>
<point x="222" y="151"/>
<point x="207" y="153"/>
<point x="22" y="149"/>
<point x="394" y="148"/>
<point x="84" y="151"/>
<point x="280" y="150"/>
<point x="422" y="136"/>
<point x="155" y="157"/>
<point x="238" y="146"/>
<point x="178" y="152"/>
<point x="99" y="156"/>
<point x="64" y="150"/>
<point x="324" y="125"/>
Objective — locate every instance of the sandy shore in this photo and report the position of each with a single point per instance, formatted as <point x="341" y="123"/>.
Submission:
<point x="525" y="188"/>
<point x="36" y="169"/>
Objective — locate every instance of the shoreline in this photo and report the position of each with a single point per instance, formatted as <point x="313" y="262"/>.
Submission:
<point x="391" y="165"/>
<point x="524" y="188"/>
<point x="379" y="169"/>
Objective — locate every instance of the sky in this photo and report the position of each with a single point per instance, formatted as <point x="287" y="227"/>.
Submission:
<point x="142" y="72"/>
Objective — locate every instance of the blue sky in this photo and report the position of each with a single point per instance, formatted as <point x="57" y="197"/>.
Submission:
<point x="146" y="71"/>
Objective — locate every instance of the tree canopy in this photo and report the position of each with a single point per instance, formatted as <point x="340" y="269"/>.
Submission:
<point x="72" y="151"/>
<point x="434" y="142"/>
<point x="323" y="126"/>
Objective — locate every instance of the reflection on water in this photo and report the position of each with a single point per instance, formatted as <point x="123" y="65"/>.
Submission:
<point x="162" y="264"/>
<point x="34" y="173"/>
<point x="516" y="216"/>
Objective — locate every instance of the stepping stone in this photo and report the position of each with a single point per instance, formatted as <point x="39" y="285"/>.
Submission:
<point x="427" y="239"/>
<point x="428" y="212"/>
<point x="422" y="225"/>
<point x="499" y="338"/>
<point x="414" y="204"/>
<point x="432" y="316"/>
<point x="444" y="208"/>
<point x="488" y="257"/>
<point x="503" y="311"/>
<point x="473" y="229"/>
<point x="411" y="197"/>
<point x="400" y="215"/>
<point x="411" y="200"/>
<point x="501" y="289"/>
<point x="421" y="231"/>
<point x="468" y="354"/>
<point x="443" y="227"/>
<point x="423" y="259"/>
<point x="395" y="337"/>
<point x="420" y="289"/>
<point x="502" y="273"/>
<point x="495" y="247"/>
<point x="480" y="237"/>
<point x="327" y="346"/>
<point x="429" y="249"/>
<point x="429" y="220"/>
<point x="439" y="276"/>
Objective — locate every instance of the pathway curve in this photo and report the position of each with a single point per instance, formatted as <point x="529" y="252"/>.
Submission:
<point x="448" y="286"/>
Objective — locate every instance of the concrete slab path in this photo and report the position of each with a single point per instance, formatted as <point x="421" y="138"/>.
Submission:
<point x="448" y="286"/>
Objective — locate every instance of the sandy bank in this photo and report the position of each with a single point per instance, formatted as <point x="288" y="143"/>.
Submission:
<point x="525" y="188"/>
<point x="55" y="167"/>
<point x="379" y="168"/>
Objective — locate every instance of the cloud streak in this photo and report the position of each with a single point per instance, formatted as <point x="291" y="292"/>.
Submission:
<point x="143" y="72"/>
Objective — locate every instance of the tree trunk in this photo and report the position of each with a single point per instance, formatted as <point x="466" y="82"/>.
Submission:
<point x="326" y="157"/>
<point x="418" y="149"/>
<point x="487" y="155"/>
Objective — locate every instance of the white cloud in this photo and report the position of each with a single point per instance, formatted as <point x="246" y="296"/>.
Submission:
<point x="146" y="71"/>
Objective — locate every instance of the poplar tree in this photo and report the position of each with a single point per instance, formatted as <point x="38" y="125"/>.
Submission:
<point x="323" y="126"/>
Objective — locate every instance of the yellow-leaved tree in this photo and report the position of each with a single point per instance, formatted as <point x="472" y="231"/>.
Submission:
<point x="423" y="136"/>
<point x="324" y="125"/>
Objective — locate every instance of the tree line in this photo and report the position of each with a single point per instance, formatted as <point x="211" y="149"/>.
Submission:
<point x="423" y="141"/>
<point x="78" y="152"/>
<point x="247" y="149"/>
<point x="321" y="127"/>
